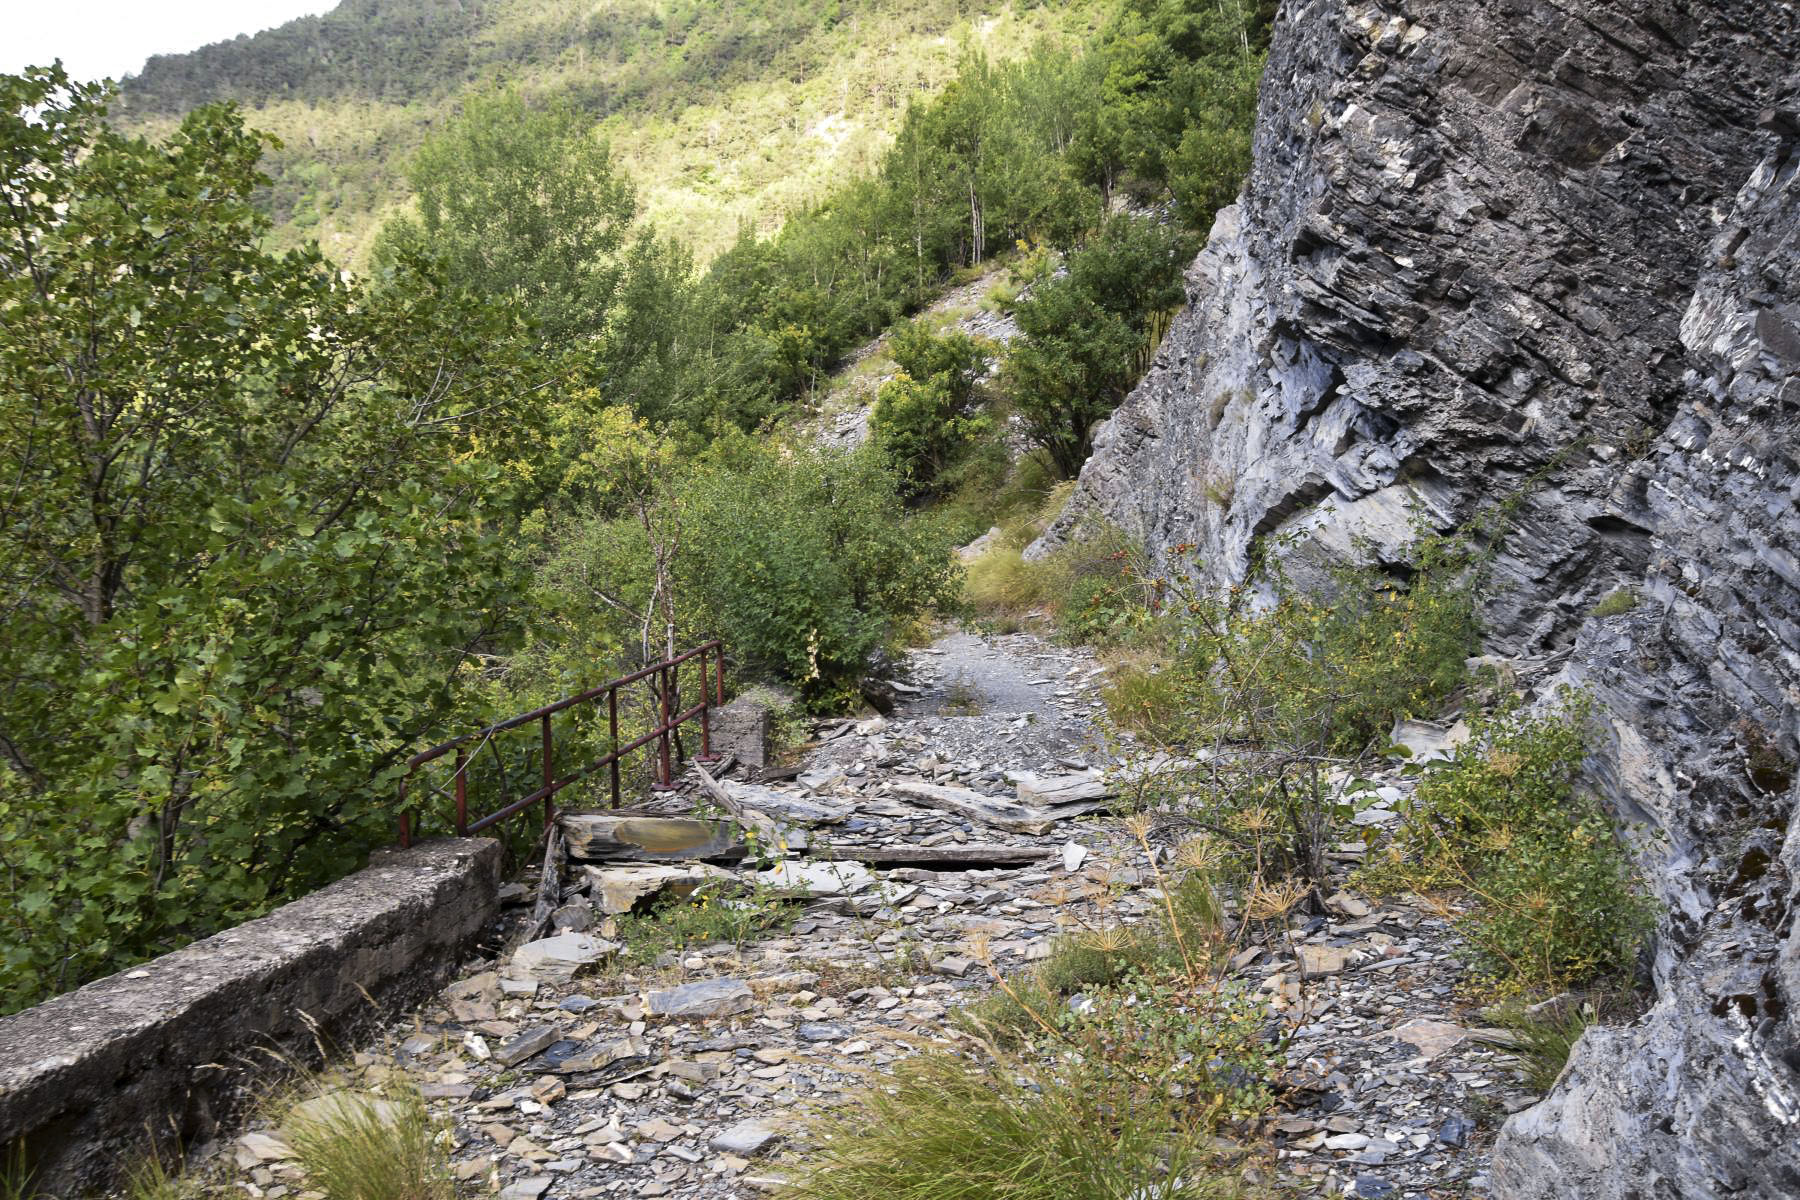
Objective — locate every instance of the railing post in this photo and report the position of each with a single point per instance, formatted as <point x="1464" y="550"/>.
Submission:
<point x="549" y="777"/>
<point x="706" y="754"/>
<point x="667" y="781"/>
<point x="612" y="719"/>
<point x="462" y="792"/>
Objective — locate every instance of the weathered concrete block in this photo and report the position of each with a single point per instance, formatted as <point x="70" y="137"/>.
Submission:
<point x="166" y="1050"/>
<point x="743" y="728"/>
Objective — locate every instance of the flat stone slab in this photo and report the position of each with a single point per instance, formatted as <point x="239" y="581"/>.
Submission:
<point x="619" y="889"/>
<point x="558" y="959"/>
<point x="839" y="878"/>
<point x="745" y="1139"/>
<point x="708" y="998"/>
<point x="1049" y="791"/>
<point x="527" y="1044"/>
<point x="1431" y="1038"/>
<point x="602" y="837"/>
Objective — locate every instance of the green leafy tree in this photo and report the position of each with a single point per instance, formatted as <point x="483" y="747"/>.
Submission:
<point x="926" y="416"/>
<point x="523" y="202"/>
<point x="1088" y="334"/>
<point x="247" y="536"/>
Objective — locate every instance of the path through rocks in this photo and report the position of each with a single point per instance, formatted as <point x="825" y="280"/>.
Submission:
<point x="564" y="1075"/>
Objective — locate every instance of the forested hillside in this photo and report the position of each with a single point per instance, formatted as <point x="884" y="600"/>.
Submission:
<point x="268" y="524"/>
<point x="724" y="112"/>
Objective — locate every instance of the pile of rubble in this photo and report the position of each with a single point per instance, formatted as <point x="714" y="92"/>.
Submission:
<point x="568" y="1073"/>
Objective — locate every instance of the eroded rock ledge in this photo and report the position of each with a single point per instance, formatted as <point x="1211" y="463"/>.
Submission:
<point x="1497" y="242"/>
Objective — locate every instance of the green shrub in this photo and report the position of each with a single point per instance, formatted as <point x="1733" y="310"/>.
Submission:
<point x="805" y="564"/>
<point x="1272" y="683"/>
<point x="1145" y="700"/>
<point x="1616" y="603"/>
<point x="808" y="565"/>
<point x="925" y="418"/>
<point x="1557" y="903"/>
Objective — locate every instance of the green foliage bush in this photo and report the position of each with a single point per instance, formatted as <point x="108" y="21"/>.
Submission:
<point x="807" y="563"/>
<point x="1557" y="904"/>
<point x="925" y="418"/>
<point x="1087" y="335"/>
<point x="1268" y="683"/>
<point x="247" y="543"/>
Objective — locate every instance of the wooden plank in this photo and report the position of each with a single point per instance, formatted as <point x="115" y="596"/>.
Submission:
<point x="549" y="885"/>
<point x="601" y="837"/>
<point x="967" y="858"/>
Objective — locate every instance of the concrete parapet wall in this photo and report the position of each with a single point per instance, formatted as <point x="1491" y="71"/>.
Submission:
<point x="167" y="1050"/>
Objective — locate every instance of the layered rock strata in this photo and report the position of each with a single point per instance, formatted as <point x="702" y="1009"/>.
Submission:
<point x="1501" y="248"/>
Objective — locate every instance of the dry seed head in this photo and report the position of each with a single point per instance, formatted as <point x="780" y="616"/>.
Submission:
<point x="1202" y="853"/>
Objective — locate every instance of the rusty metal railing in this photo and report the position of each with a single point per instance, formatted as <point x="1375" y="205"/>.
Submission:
<point x="667" y="677"/>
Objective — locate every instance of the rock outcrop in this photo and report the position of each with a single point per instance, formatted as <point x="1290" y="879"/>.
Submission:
<point x="1547" y="249"/>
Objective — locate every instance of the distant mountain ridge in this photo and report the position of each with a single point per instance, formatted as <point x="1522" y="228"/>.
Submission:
<point x="722" y="110"/>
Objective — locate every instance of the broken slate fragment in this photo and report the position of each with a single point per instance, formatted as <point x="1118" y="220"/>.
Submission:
<point x="744" y="1139"/>
<point x="1455" y="1131"/>
<point x="708" y="998"/>
<point x="1317" y="962"/>
<point x="1431" y="1038"/>
<point x="557" y="959"/>
<point x="822" y="1031"/>
<point x="1049" y="791"/>
<point x="836" y="878"/>
<point x="527" y="1044"/>
<point x="619" y="889"/>
<point x="528" y="1188"/>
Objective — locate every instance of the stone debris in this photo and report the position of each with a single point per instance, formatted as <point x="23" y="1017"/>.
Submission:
<point x="558" y="959"/>
<point x="639" y="837"/>
<point x="621" y="888"/>
<point x="709" y="998"/>
<point x="681" y="1079"/>
<point x="819" y="878"/>
<point x="1050" y="791"/>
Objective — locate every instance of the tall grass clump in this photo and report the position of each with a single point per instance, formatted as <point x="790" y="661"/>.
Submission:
<point x="355" y="1146"/>
<point x="947" y="1124"/>
<point x="1105" y="1073"/>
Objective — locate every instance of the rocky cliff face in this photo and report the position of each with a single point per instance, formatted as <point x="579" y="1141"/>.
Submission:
<point x="1493" y="245"/>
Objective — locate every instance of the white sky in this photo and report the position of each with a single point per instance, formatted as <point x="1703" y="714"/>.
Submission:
<point x="112" y="38"/>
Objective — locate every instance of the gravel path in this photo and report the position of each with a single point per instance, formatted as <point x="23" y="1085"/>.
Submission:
<point x="688" y="1078"/>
